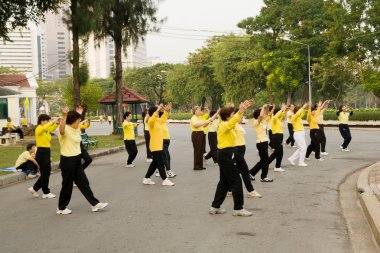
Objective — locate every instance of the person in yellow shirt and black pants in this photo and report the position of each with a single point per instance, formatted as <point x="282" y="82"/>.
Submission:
<point x="145" y="116"/>
<point x="156" y="144"/>
<point x="213" y="139"/>
<point x="289" y="114"/>
<point x="129" y="139"/>
<point x="14" y="129"/>
<point x="299" y="137"/>
<point x="343" y="117"/>
<point x="71" y="164"/>
<point x="315" y="144"/>
<point x="277" y="137"/>
<point x="260" y="126"/>
<point x="229" y="174"/>
<point x="85" y="155"/>
<point x="167" y="160"/>
<point x="43" y="142"/>
<point x="321" y="125"/>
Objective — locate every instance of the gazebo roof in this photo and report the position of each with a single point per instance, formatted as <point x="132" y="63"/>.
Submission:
<point x="129" y="97"/>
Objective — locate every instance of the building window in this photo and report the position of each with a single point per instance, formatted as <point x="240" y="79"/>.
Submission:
<point x="3" y="108"/>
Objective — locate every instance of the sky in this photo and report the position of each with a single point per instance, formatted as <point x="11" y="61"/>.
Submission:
<point x="190" y="22"/>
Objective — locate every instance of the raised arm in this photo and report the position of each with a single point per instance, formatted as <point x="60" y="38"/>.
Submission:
<point x="62" y="124"/>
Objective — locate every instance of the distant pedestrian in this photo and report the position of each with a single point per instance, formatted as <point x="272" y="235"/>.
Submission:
<point x="129" y="139"/>
<point x="109" y="118"/>
<point x="299" y="137"/>
<point x="213" y="139"/>
<point x="289" y="114"/>
<point x="343" y="117"/>
<point x="315" y="138"/>
<point x="278" y="137"/>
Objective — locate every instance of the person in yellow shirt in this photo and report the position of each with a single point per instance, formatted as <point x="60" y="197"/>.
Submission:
<point x="129" y="139"/>
<point x="212" y="139"/>
<point x="321" y="125"/>
<point x="343" y="117"/>
<point x="145" y="116"/>
<point x="71" y="165"/>
<point x="85" y="155"/>
<point x="277" y="137"/>
<point x="14" y="129"/>
<point x="260" y="126"/>
<point x="229" y="174"/>
<point x="24" y="121"/>
<point x="43" y="142"/>
<point x="289" y="114"/>
<point x="315" y="143"/>
<point x="197" y="125"/>
<point x="204" y="117"/>
<point x="26" y="162"/>
<point x="156" y="144"/>
<point x="299" y="137"/>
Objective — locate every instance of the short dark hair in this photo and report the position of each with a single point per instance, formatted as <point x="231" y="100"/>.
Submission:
<point x="225" y="112"/>
<point x="160" y="114"/>
<point x="151" y="110"/>
<point x="256" y="113"/>
<point x="30" y="146"/>
<point x="296" y="108"/>
<point x="43" y="117"/>
<point x="72" y="116"/>
<point x="143" y="114"/>
<point x="212" y="113"/>
<point x="9" y="119"/>
<point x="126" y="114"/>
<point x="276" y="111"/>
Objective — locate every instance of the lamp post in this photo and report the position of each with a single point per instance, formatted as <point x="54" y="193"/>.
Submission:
<point x="308" y="56"/>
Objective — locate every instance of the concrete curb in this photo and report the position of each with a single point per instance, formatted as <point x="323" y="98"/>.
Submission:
<point x="17" y="177"/>
<point x="369" y="201"/>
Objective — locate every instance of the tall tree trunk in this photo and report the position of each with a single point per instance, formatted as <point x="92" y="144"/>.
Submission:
<point x="75" y="57"/>
<point x="289" y="100"/>
<point x="118" y="80"/>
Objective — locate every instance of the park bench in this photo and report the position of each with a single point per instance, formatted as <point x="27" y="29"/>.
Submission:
<point x="88" y="142"/>
<point x="6" y="140"/>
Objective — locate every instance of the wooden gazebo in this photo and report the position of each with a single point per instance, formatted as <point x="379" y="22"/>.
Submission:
<point x="130" y="97"/>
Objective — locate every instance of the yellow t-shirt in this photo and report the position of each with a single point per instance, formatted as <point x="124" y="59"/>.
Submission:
<point x="260" y="130"/>
<point x="84" y="125"/>
<point x="240" y="132"/>
<point x="9" y="126"/>
<point x="24" y="122"/>
<point x="43" y="136"/>
<point x="146" y="126"/>
<point x="213" y="126"/>
<point x="70" y="142"/>
<point x="320" y="119"/>
<point x="277" y="119"/>
<point x="226" y="132"/>
<point x="156" y="131"/>
<point x="129" y="130"/>
<point x="194" y="120"/>
<point x="25" y="156"/>
<point x="313" y="122"/>
<point x="204" y="117"/>
<point x="289" y="115"/>
<point x="344" y="117"/>
<point x="297" y="120"/>
<point x="165" y="131"/>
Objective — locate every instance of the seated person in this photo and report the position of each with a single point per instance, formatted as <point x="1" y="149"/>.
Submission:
<point x="14" y="129"/>
<point x="26" y="162"/>
<point x="24" y="121"/>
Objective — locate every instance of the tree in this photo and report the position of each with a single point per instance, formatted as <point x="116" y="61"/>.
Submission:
<point x="127" y="22"/>
<point x="17" y="14"/>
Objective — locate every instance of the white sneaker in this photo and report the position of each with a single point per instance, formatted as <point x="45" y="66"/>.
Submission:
<point x="302" y="165"/>
<point x="30" y="176"/>
<point x="279" y="170"/>
<point x="307" y="158"/>
<point x="66" y="211"/>
<point x="294" y="146"/>
<point x="33" y="192"/>
<point x="99" y="207"/>
<point x="254" y="194"/>
<point x="214" y="210"/>
<point x="167" y="182"/>
<point x="324" y="153"/>
<point x="252" y="177"/>
<point x="242" y="212"/>
<point x="149" y="160"/>
<point x="170" y="174"/>
<point x="320" y="159"/>
<point x="291" y="161"/>
<point x="130" y="165"/>
<point x="157" y="173"/>
<point x="345" y="150"/>
<point x="48" y="196"/>
<point x="148" y="181"/>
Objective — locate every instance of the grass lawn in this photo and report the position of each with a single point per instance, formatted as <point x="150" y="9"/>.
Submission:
<point x="9" y="154"/>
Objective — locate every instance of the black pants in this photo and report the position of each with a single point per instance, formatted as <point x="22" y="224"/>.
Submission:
<point x="28" y="166"/>
<point x="263" y="163"/>
<point x="322" y="137"/>
<point x="43" y="160"/>
<point x="72" y="171"/>
<point x="167" y="154"/>
<point x="291" y="133"/>
<point x="157" y="163"/>
<point x="213" y="143"/>
<point x="270" y="135"/>
<point x="147" y="140"/>
<point x="278" y="153"/>
<point x="204" y="143"/>
<point x="346" y="134"/>
<point x="85" y="156"/>
<point x="197" y="139"/>
<point x="242" y="167"/>
<point x="229" y="179"/>
<point x="315" y="144"/>
<point x="19" y="131"/>
<point x="131" y="147"/>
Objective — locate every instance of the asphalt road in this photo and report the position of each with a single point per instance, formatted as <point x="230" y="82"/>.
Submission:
<point x="299" y="212"/>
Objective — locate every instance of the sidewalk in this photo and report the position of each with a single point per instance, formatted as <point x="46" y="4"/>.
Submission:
<point x="17" y="177"/>
<point x="368" y="187"/>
